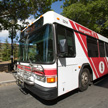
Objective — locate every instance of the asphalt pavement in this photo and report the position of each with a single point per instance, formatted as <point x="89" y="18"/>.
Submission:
<point x="6" y="78"/>
<point x="12" y="96"/>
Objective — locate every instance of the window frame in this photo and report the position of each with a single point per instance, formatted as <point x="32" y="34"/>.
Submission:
<point x="72" y="31"/>
<point x="39" y="29"/>
<point x="106" y="52"/>
<point x="89" y="39"/>
<point x="100" y="48"/>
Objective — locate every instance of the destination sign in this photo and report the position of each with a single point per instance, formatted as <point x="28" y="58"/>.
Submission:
<point x="32" y="28"/>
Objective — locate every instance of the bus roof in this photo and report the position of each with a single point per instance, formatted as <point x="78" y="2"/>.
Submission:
<point x="51" y="17"/>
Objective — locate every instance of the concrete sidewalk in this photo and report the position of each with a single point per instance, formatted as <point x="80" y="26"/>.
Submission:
<point x="6" y="78"/>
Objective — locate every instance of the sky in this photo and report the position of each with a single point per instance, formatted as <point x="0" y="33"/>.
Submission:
<point x="55" y="6"/>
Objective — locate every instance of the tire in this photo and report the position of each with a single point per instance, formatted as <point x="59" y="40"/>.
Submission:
<point x="84" y="79"/>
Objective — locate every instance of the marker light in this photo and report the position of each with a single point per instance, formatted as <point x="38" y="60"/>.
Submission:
<point x="41" y="16"/>
<point x="79" y="67"/>
<point x="58" y="18"/>
<point x="51" y="80"/>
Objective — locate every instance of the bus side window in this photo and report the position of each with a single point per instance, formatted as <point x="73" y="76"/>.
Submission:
<point x="101" y="49"/>
<point x="70" y="42"/>
<point x="106" y="46"/>
<point x="92" y="47"/>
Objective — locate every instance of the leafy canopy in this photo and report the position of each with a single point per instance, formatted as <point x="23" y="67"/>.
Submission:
<point x="90" y="13"/>
<point x="6" y="51"/>
<point x="21" y="10"/>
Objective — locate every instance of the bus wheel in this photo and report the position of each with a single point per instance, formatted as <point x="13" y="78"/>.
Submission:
<point x="84" y="79"/>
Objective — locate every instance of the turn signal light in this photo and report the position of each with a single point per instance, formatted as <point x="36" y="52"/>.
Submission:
<point x="51" y="80"/>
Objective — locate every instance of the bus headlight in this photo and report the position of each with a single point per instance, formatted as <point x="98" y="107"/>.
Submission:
<point x="40" y="78"/>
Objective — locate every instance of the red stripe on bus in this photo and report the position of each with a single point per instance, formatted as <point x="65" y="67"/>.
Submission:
<point x="84" y="30"/>
<point x="84" y="47"/>
<point x="50" y="71"/>
<point x="46" y="71"/>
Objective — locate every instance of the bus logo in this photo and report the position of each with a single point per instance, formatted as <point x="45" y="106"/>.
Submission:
<point x="101" y="67"/>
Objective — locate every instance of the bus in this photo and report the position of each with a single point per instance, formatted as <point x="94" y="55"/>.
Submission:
<point x="58" y="55"/>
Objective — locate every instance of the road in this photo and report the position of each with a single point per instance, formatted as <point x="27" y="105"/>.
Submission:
<point x="11" y="96"/>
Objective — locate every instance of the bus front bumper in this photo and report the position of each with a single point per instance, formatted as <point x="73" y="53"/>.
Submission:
<point x="43" y="92"/>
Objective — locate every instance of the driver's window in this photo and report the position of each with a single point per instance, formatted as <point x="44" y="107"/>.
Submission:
<point x="60" y="35"/>
<point x="64" y="33"/>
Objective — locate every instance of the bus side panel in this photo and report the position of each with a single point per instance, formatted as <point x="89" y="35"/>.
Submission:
<point x="68" y="71"/>
<point x="99" y="65"/>
<point x="67" y="77"/>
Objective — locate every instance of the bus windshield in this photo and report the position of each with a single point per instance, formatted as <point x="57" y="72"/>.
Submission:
<point x="38" y="46"/>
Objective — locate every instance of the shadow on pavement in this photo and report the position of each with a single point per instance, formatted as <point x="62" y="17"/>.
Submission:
<point x="49" y="102"/>
<point x="102" y="82"/>
<point x="55" y="101"/>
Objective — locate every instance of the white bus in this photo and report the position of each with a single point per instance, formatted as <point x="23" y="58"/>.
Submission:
<point x="58" y="55"/>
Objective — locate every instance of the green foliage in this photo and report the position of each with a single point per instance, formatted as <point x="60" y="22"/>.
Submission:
<point x="6" y="51"/>
<point x="32" y="52"/>
<point x="15" y="51"/>
<point x="90" y="13"/>
<point x="21" y="9"/>
<point x="77" y="12"/>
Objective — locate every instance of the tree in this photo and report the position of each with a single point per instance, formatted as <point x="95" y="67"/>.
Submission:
<point x="6" y="51"/>
<point x="90" y="13"/>
<point x="21" y="10"/>
<point x="15" y="52"/>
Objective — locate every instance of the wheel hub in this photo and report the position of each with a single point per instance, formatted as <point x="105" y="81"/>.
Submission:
<point x="84" y="78"/>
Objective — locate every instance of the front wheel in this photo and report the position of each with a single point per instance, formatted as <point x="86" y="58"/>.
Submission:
<point x="84" y="79"/>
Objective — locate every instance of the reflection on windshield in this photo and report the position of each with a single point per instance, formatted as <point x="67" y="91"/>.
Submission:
<point x="38" y="47"/>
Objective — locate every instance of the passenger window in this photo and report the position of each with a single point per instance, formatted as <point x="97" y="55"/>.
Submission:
<point x="101" y="49"/>
<point x="92" y="47"/>
<point x="106" y="46"/>
<point x="70" y="42"/>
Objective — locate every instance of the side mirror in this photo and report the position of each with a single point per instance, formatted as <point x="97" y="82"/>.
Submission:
<point x="63" y="46"/>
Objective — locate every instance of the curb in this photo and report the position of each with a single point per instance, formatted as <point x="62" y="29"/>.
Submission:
<point x="7" y="82"/>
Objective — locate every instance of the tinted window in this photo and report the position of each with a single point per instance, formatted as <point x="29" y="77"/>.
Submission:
<point x="65" y="33"/>
<point x="101" y="49"/>
<point x="60" y="35"/>
<point x="70" y="42"/>
<point x="32" y="28"/>
<point x="106" y="45"/>
<point x="92" y="47"/>
<point x="38" y="47"/>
